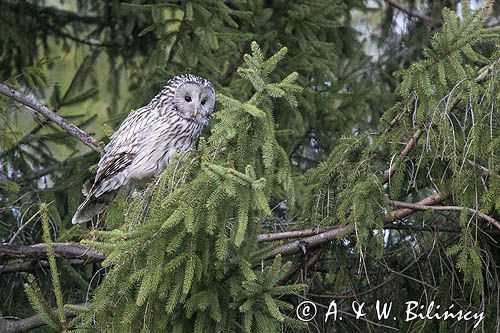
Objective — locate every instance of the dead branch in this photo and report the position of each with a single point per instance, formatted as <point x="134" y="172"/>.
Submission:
<point x="413" y="13"/>
<point x="398" y="214"/>
<point x="23" y="325"/>
<point x="416" y="206"/>
<point x="308" y="242"/>
<point x="45" y="171"/>
<point x="65" y="250"/>
<point x="332" y="233"/>
<point x="269" y="237"/>
<point x="45" y="111"/>
<point x="24" y="225"/>
<point x="32" y="265"/>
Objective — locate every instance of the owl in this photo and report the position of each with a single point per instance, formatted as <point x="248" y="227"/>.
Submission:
<point x="146" y="140"/>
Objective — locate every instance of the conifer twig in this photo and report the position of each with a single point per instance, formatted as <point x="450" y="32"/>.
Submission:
<point x="21" y="228"/>
<point x="51" y="257"/>
<point x="418" y="133"/>
<point x="413" y="13"/>
<point x="409" y="146"/>
<point x="51" y="168"/>
<point x="45" y="111"/>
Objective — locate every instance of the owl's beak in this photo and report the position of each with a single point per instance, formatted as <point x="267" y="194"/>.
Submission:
<point x="194" y="113"/>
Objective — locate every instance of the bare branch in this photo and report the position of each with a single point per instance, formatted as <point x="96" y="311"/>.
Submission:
<point x="45" y="171"/>
<point x="413" y="13"/>
<point x="416" y="206"/>
<point x="32" y="265"/>
<point x="308" y="242"/>
<point x="21" y="228"/>
<point x="269" y="237"/>
<point x="486" y="171"/>
<point x="14" y="326"/>
<point x="400" y="226"/>
<point x="403" y="212"/>
<point x="66" y="250"/>
<point x="44" y="110"/>
<point x="332" y="233"/>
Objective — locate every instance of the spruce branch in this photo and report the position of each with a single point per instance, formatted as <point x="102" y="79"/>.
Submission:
<point x="416" y="206"/>
<point x="32" y="265"/>
<point x="48" y="170"/>
<point x="65" y="250"/>
<point x="333" y="233"/>
<point x="45" y="111"/>
<point x="39" y="304"/>
<point x="308" y="242"/>
<point x="270" y="237"/>
<point x="408" y="147"/>
<point x="311" y="237"/>
<point x="414" y="13"/>
<point x="23" y="325"/>
<point x="44" y="214"/>
<point x="21" y="228"/>
<point x="418" y="133"/>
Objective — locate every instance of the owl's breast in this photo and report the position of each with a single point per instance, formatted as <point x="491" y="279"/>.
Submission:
<point x="178" y="139"/>
<point x="166" y="138"/>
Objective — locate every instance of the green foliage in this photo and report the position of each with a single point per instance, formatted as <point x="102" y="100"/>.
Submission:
<point x="451" y="96"/>
<point x="445" y="94"/>
<point x="193" y="242"/>
<point x="469" y="258"/>
<point x="53" y="266"/>
<point x="32" y="289"/>
<point x="39" y="304"/>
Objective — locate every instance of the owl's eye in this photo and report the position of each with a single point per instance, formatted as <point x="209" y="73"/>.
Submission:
<point x="203" y="101"/>
<point x="188" y="98"/>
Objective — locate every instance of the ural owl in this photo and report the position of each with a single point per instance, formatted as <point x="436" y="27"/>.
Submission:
<point x="147" y="139"/>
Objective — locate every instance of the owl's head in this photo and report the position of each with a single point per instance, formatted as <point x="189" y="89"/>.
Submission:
<point x="194" y="98"/>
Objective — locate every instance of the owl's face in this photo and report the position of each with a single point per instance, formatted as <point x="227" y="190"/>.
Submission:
<point x="194" y="100"/>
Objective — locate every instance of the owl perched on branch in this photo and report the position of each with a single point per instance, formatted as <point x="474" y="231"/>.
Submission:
<point x="146" y="140"/>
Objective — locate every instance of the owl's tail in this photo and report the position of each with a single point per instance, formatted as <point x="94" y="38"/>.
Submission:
<point x="92" y="206"/>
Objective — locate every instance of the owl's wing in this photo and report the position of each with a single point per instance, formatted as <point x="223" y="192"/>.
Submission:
<point x="119" y="153"/>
